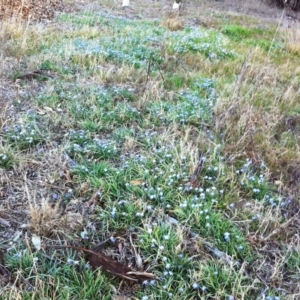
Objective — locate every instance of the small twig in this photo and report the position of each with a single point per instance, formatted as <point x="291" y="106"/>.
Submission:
<point x="53" y="186"/>
<point x="150" y="62"/>
<point x="216" y="252"/>
<point x="100" y="246"/>
<point x="138" y="259"/>
<point x="95" y="196"/>
<point x="148" y="70"/>
<point x="275" y="34"/>
<point x="159" y="70"/>
<point x="38" y="74"/>
<point x="239" y="80"/>
<point x="91" y="203"/>
<point x="220" y="254"/>
<point x="4" y="222"/>
<point x="198" y="169"/>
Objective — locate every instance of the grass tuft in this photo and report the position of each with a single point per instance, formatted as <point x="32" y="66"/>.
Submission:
<point x="173" y="22"/>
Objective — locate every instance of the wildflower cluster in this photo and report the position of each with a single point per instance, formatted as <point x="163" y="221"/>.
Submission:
<point x="5" y="159"/>
<point x="257" y="184"/>
<point x="83" y="145"/>
<point x="135" y="49"/>
<point x="25" y="135"/>
<point x="189" y="108"/>
<point x="193" y="39"/>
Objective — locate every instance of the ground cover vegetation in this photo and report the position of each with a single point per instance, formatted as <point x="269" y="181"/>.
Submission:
<point x="172" y="144"/>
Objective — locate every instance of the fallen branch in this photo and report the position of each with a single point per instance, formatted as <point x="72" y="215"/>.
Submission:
<point x="106" y="263"/>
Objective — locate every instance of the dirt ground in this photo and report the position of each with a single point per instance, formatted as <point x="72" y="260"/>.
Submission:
<point x="47" y="10"/>
<point x="192" y="10"/>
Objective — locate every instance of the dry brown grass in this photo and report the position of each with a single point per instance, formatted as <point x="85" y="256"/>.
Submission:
<point x="250" y="118"/>
<point x="44" y="216"/>
<point x="274" y="238"/>
<point x="48" y="219"/>
<point x="3" y="108"/>
<point x="292" y="35"/>
<point x="19" y="37"/>
<point x="173" y="21"/>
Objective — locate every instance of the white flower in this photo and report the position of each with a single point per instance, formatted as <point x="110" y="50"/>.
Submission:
<point x="226" y="236"/>
<point x="195" y="286"/>
<point x="70" y="261"/>
<point x="84" y="235"/>
<point x="152" y="282"/>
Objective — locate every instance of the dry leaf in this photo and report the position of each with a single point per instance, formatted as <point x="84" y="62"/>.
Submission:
<point x="4" y="222"/>
<point x="136" y="182"/>
<point x="93" y="200"/>
<point x="36" y="241"/>
<point x="99" y="260"/>
<point x="278" y="182"/>
<point x="108" y="264"/>
<point x="143" y="275"/>
<point x="41" y="112"/>
<point x="120" y="247"/>
<point x="47" y="108"/>
<point x="18" y="234"/>
<point x="44" y="111"/>
<point x="138" y="259"/>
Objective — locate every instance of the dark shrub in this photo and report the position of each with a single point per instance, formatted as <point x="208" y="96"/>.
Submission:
<point x="293" y="4"/>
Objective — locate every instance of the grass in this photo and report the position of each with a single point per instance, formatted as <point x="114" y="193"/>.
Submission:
<point x="190" y="140"/>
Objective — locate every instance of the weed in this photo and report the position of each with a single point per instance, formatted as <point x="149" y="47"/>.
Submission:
<point x="193" y="40"/>
<point x="6" y="158"/>
<point x="25" y="135"/>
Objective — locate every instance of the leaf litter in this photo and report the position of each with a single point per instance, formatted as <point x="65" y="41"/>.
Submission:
<point x="98" y="259"/>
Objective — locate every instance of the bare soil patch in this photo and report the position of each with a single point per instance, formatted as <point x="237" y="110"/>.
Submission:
<point x="33" y="9"/>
